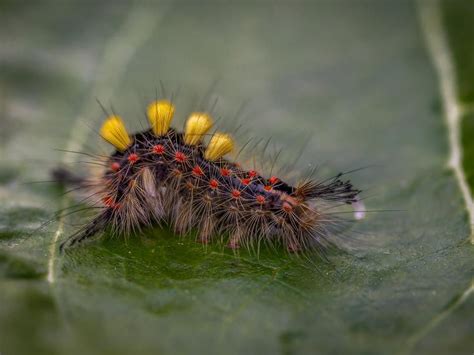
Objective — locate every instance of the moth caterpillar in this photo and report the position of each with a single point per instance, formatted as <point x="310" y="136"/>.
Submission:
<point x="161" y="176"/>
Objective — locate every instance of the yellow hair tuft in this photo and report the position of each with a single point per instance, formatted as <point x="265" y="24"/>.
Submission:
<point x="160" y="113"/>
<point x="219" y="145"/>
<point x="197" y="125"/>
<point x="113" y="131"/>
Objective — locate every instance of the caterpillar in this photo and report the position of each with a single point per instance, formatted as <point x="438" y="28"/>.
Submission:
<point x="163" y="177"/>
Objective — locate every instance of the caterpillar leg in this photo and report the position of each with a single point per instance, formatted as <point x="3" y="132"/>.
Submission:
<point x="235" y="238"/>
<point x="66" y="177"/>
<point x="97" y="225"/>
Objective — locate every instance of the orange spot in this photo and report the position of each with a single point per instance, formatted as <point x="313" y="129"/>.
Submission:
<point x="115" y="166"/>
<point x="273" y="180"/>
<point x="225" y="172"/>
<point x="245" y="181"/>
<point x="213" y="184"/>
<point x="197" y="171"/>
<point x="236" y="193"/>
<point x="267" y="188"/>
<point x="132" y="158"/>
<point x="260" y="199"/>
<point x="180" y="157"/>
<point x="158" y="149"/>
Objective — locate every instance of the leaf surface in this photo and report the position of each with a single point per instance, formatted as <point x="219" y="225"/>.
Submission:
<point x="356" y="75"/>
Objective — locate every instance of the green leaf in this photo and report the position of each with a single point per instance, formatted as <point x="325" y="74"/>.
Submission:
<point x="458" y="17"/>
<point x="358" y="76"/>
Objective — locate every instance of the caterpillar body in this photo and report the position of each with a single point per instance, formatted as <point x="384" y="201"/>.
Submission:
<point x="161" y="176"/>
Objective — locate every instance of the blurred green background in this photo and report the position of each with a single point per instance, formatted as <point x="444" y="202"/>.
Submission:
<point x="355" y="77"/>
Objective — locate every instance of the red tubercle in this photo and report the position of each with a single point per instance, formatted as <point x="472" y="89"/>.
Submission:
<point x="213" y="184"/>
<point x="109" y="202"/>
<point x="133" y="158"/>
<point x="180" y="157"/>
<point x="287" y="207"/>
<point x="260" y="199"/>
<point x="236" y="193"/>
<point x="158" y="149"/>
<point x="273" y="180"/>
<point x="252" y="174"/>
<point x="245" y="181"/>
<point x="225" y="172"/>
<point x="115" y="166"/>
<point x="197" y="171"/>
<point x="267" y="188"/>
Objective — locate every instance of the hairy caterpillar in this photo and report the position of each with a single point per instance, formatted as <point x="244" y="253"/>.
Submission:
<point x="161" y="176"/>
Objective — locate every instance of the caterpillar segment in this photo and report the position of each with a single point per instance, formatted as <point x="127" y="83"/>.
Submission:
<point x="164" y="177"/>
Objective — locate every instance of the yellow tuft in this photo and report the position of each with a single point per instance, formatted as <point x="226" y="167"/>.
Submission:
<point x="197" y="125"/>
<point x="113" y="131"/>
<point x="219" y="145"/>
<point x="160" y="113"/>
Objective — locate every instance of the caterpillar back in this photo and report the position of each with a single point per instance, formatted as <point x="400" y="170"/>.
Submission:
<point x="164" y="177"/>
